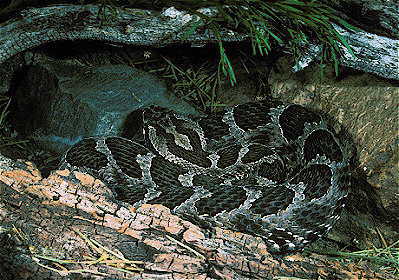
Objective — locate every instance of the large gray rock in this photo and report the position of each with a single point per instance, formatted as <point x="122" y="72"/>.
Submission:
<point x="58" y="104"/>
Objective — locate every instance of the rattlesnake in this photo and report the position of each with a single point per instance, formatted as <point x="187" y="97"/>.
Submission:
<point x="268" y="168"/>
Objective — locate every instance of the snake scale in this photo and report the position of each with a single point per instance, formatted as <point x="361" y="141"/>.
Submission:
<point x="268" y="168"/>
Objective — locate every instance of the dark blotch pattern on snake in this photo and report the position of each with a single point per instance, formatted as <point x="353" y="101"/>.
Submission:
<point x="268" y="168"/>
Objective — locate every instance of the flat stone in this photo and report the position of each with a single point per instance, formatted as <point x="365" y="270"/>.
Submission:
<point x="58" y="104"/>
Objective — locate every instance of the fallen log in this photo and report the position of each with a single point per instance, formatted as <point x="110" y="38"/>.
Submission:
<point x="50" y="221"/>
<point x="67" y="225"/>
<point x="375" y="16"/>
<point x="37" y="26"/>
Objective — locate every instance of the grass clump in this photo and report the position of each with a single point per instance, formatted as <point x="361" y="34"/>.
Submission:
<point x="385" y="258"/>
<point x="192" y="79"/>
<point x="99" y="255"/>
<point x="272" y="24"/>
<point x="191" y="74"/>
<point x="291" y="24"/>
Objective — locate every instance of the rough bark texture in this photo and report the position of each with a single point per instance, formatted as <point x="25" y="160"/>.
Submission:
<point x="376" y="46"/>
<point x="374" y="54"/>
<point x="43" y="216"/>
<point x="44" y="212"/>
<point x="376" y="16"/>
<point x="36" y="27"/>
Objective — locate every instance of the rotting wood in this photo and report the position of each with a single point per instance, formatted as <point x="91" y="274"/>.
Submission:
<point x="38" y="26"/>
<point x="57" y="223"/>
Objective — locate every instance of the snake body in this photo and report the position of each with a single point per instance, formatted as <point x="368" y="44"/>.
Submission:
<point x="268" y="168"/>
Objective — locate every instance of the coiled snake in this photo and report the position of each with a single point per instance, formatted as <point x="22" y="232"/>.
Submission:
<point x="268" y="168"/>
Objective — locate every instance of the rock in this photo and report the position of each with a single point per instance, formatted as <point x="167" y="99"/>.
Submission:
<point x="247" y="88"/>
<point x="58" y="104"/>
<point x="71" y="216"/>
<point x="366" y="108"/>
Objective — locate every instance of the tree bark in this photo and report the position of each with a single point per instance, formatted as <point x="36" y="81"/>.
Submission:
<point x="46" y="221"/>
<point x="71" y="216"/>
<point x="37" y="26"/>
<point x="375" y="16"/>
